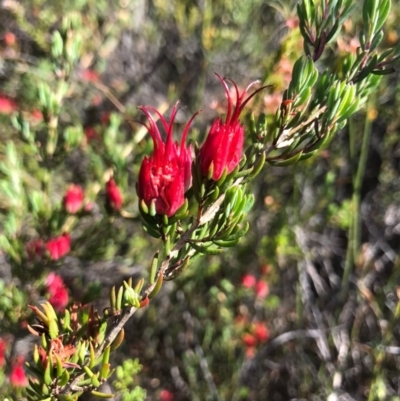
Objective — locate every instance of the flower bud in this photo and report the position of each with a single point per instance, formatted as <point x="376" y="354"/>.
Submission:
<point x="73" y="199"/>
<point x="59" y="246"/>
<point x="114" y="197"/>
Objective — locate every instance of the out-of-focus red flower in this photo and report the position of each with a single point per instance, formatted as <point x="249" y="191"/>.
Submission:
<point x="248" y="281"/>
<point x="57" y="291"/>
<point x="3" y="348"/>
<point x="35" y="249"/>
<point x="166" y="395"/>
<point x="7" y="105"/>
<point x="90" y="75"/>
<point x="165" y="175"/>
<point x="90" y="134"/>
<point x="59" y="246"/>
<point x="17" y="375"/>
<point x="114" y="197"/>
<point x="262" y="289"/>
<point x="292" y="22"/>
<point x="37" y="115"/>
<point x="73" y="199"/>
<point x="105" y="117"/>
<point x="250" y="352"/>
<point x="249" y="340"/>
<point x="9" y="39"/>
<point x="223" y="147"/>
<point x="261" y="332"/>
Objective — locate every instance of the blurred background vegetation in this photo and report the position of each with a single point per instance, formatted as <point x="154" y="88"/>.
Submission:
<point x="269" y="319"/>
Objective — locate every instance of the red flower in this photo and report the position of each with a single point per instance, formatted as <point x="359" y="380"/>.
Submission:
<point x="165" y="175"/>
<point x="7" y="105"/>
<point x="223" y="147"/>
<point x="113" y="195"/>
<point x="3" y="348"/>
<point x="57" y="291"/>
<point x="166" y="395"/>
<point x="73" y="199"/>
<point x="248" y="281"/>
<point x="9" y="39"/>
<point x="262" y="289"/>
<point x="17" y="375"/>
<point x="249" y="340"/>
<point x="90" y="75"/>
<point x="59" y="246"/>
<point x="261" y="332"/>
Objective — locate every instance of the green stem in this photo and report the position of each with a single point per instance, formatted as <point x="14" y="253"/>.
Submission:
<point x="354" y="233"/>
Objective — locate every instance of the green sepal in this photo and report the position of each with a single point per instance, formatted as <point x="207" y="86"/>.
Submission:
<point x="143" y="207"/>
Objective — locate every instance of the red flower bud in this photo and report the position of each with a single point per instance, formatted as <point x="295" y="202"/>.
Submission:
<point x="73" y="199"/>
<point x="57" y="291"/>
<point x="166" y="395"/>
<point x="248" y="281"/>
<point x="223" y="147"/>
<point x="17" y="375"/>
<point x="7" y="105"/>
<point x="261" y="332"/>
<point x="262" y="289"/>
<point x="166" y="174"/>
<point x="59" y="246"/>
<point x="3" y="349"/>
<point x="113" y="195"/>
<point x="249" y="340"/>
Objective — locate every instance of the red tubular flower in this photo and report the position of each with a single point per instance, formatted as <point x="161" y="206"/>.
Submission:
<point x="3" y="349"/>
<point x="223" y="147"/>
<point x="73" y="199"/>
<point x="59" y="246"/>
<point x="17" y="375"/>
<point x="57" y="291"/>
<point x="166" y="174"/>
<point x="113" y="195"/>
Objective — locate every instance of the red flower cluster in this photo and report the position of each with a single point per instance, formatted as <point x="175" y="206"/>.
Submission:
<point x="73" y="199"/>
<point x="223" y="147"/>
<point x="165" y="175"/>
<point x="58" y="292"/>
<point x="259" y="333"/>
<point x="261" y="288"/>
<point x="17" y="375"/>
<point x="59" y="246"/>
<point x="114" y="197"/>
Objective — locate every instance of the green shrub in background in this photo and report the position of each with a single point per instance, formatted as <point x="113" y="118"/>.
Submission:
<point x="73" y="151"/>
